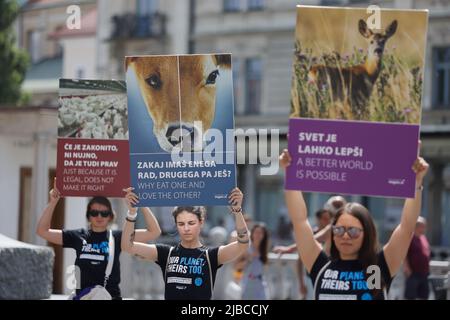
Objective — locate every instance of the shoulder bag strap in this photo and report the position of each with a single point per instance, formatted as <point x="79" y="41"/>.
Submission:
<point x="210" y="273"/>
<point x="167" y="263"/>
<point x="109" y="266"/>
<point x="317" y="278"/>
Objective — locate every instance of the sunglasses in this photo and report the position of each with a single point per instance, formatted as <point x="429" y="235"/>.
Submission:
<point x="353" y="232"/>
<point x="95" y="213"/>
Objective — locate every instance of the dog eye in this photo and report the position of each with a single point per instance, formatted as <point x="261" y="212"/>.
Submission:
<point x="154" y="81"/>
<point x="212" y="77"/>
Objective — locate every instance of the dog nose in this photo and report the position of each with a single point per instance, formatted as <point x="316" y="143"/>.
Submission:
<point x="177" y="133"/>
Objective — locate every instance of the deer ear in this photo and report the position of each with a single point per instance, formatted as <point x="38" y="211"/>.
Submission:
<point x="362" y="25"/>
<point x="390" y="30"/>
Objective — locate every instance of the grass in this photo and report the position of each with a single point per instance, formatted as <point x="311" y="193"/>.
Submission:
<point x="396" y="95"/>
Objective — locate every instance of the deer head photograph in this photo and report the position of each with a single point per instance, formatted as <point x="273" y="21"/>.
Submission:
<point x="179" y="93"/>
<point x="343" y="69"/>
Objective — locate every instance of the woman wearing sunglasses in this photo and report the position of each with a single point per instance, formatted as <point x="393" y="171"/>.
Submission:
<point x="189" y="268"/>
<point x="356" y="269"/>
<point x="92" y="244"/>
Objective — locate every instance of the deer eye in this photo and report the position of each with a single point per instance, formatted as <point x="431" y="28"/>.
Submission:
<point x="154" y="81"/>
<point x="212" y="77"/>
<point x="371" y="41"/>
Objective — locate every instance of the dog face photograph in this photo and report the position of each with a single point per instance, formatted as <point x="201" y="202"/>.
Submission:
<point x="344" y="68"/>
<point x="178" y="98"/>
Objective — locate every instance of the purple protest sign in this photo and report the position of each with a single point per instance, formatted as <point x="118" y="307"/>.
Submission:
<point x="346" y="157"/>
<point x="356" y="100"/>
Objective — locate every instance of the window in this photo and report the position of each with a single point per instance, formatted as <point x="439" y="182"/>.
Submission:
<point x="253" y="5"/>
<point x="35" y="45"/>
<point x="231" y="5"/>
<point x="146" y="20"/>
<point x="237" y="92"/>
<point x="240" y="5"/>
<point x="59" y="49"/>
<point x="80" y="72"/>
<point x="147" y="7"/>
<point x="253" y="77"/>
<point x="332" y="2"/>
<point x="441" y="77"/>
<point x="270" y="205"/>
<point x="445" y="217"/>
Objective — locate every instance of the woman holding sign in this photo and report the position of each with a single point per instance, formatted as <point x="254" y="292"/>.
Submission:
<point x="356" y="268"/>
<point x="189" y="268"/>
<point x="94" y="246"/>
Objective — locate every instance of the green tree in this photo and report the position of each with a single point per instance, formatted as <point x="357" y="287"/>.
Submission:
<point x="13" y="60"/>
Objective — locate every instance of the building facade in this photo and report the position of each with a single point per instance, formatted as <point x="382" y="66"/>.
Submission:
<point x="260" y="36"/>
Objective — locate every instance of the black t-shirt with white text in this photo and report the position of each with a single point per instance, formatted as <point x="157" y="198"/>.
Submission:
<point x="92" y="252"/>
<point x="347" y="280"/>
<point x="187" y="275"/>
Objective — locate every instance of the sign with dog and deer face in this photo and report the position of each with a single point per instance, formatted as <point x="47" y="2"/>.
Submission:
<point x="181" y="129"/>
<point x="356" y="100"/>
<point x="92" y="149"/>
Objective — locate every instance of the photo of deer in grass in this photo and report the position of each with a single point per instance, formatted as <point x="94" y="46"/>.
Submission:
<point x="344" y="69"/>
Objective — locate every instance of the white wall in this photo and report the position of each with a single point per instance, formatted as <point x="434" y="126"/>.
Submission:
<point x="17" y="152"/>
<point x="80" y="53"/>
<point x="18" y="131"/>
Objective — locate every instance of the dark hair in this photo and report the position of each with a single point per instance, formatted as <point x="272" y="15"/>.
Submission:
<point x="334" y="204"/>
<point x="199" y="211"/>
<point x="367" y="254"/>
<point x="320" y="212"/>
<point x="99" y="200"/>
<point x="264" y="245"/>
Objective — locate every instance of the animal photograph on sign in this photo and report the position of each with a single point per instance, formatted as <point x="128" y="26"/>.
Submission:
<point x="183" y="97"/>
<point x="93" y="109"/>
<point x="92" y="147"/>
<point x="181" y="127"/>
<point x="346" y="68"/>
<point x="356" y="100"/>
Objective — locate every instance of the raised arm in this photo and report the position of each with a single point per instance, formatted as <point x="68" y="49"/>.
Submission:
<point x="396" y="248"/>
<point x="153" y="230"/>
<point x="128" y="243"/>
<point x="307" y="246"/>
<point x="301" y="278"/>
<point x="43" y="228"/>
<point x="234" y="249"/>
<point x="285" y="249"/>
<point x="323" y="236"/>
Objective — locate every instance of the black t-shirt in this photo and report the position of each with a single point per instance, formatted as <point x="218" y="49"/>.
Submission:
<point x="92" y="257"/>
<point x="188" y="275"/>
<point x="346" y="279"/>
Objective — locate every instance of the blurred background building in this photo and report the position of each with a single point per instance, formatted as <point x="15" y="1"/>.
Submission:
<point x="260" y="35"/>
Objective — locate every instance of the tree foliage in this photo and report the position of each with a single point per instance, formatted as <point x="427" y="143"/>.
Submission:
<point x="13" y="60"/>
